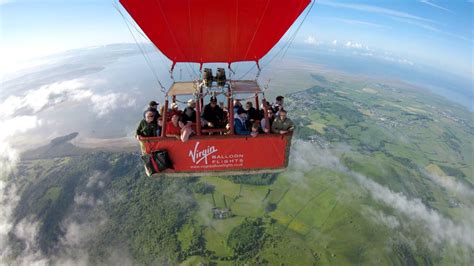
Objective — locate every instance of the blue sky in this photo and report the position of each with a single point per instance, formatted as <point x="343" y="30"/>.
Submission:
<point x="436" y="33"/>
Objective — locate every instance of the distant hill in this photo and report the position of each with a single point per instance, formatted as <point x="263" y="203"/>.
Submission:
<point x="58" y="147"/>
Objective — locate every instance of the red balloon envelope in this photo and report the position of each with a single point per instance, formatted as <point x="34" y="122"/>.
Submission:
<point x="205" y="31"/>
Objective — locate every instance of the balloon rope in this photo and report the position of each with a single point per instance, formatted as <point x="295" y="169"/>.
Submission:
<point x="148" y="61"/>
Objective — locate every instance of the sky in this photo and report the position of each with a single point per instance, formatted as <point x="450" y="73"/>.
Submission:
<point x="435" y="33"/>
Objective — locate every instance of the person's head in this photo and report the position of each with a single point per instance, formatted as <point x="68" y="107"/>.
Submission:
<point x="248" y="105"/>
<point x="242" y="113"/>
<point x="282" y="114"/>
<point x="255" y="127"/>
<point x="280" y="99"/>
<point x="237" y="103"/>
<point x="153" y="105"/>
<point x="221" y="104"/>
<point x="191" y="103"/>
<point x="149" y="116"/>
<point x="174" y="106"/>
<point x="213" y="101"/>
<point x="270" y="113"/>
<point x="269" y="105"/>
<point x="175" y="119"/>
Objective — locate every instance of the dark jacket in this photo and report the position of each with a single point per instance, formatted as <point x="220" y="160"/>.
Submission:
<point x="279" y="125"/>
<point x="214" y="115"/>
<point x="145" y="129"/>
<point x="189" y="114"/>
<point x="252" y="114"/>
<point x="240" y="128"/>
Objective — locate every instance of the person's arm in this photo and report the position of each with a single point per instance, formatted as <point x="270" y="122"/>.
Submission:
<point x="292" y="125"/>
<point x="275" y="128"/>
<point x="262" y="126"/>
<point x="173" y="136"/>
<point x="138" y="133"/>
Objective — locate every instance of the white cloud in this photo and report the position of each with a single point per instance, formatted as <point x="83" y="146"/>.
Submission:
<point x="34" y="101"/>
<point x="451" y="184"/>
<point x="104" y="104"/>
<point x="359" y="22"/>
<point x="395" y="59"/>
<point x="50" y="95"/>
<point x="376" y="10"/>
<point x="8" y="200"/>
<point x="350" y="44"/>
<point x="305" y="156"/>
<point x="360" y="49"/>
<point x="399" y="16"/>
<point x="388" y="220"/>
<point x="311" y="40"/>
<point x="37" y="100"/>
<point x="436" y="6"/>
<point x="10" y="127"/>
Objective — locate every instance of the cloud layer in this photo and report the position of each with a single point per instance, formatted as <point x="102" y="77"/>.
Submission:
<point x="440" y="229"/>
<point x="20" y="113"/>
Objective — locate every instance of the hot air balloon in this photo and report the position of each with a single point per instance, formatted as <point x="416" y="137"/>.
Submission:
<point x="216" y="31"/>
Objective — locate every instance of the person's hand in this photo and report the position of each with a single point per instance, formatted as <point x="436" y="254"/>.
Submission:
<point x="254" y="134"/>
<point x="160" y="123"/>
<point x="283" y="132"/>
<point x="209" y="124"/>
<point x="180" y="124"/>
<point x="137" y="137"/>
<point x="266" y="130"/>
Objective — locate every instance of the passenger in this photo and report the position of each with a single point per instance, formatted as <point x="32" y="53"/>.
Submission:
<point x="189" y="115"/>
<point x="222" y="106"/>
<point x="174" y="111"/>
<point x="237" y="105"/>
<point x="152" y="107"/>
<point x="255" y="129"/>
<point x="213" y="114"/>
<point x="186" y="132"/>
<point x="282" y="124"/>
<point x="252" y="113"/>
<point x="278" y="105"/>
<point x="240" y="126"/>
<point x="162" y="109"/>
<point x="148" y="126"/>
<point x="173" y="127"/>
<point x="187" y="119"/>
<point x="262" y="109"/>
<point x="271" y="118"/>
<point x="226" y="112"/>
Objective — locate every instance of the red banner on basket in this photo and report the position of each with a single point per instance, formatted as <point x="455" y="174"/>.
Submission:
<point x="223" y="153"/>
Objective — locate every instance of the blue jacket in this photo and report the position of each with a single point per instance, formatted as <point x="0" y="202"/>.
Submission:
<point x="240" y="128"/>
